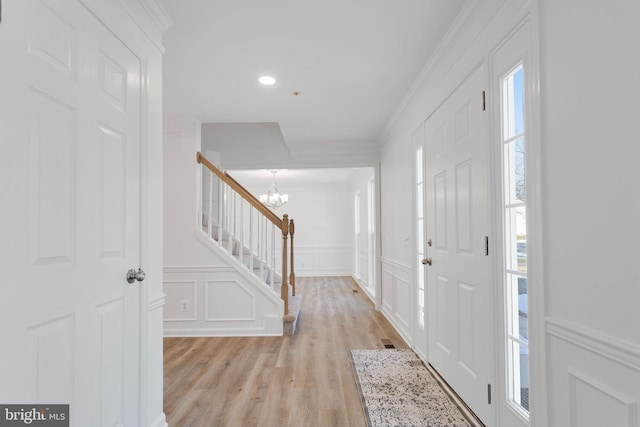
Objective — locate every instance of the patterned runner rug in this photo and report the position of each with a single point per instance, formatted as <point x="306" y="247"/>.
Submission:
<point x="398" y="390"/>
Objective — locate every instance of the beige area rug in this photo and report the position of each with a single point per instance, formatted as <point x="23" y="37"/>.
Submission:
<point x="398" y="390"/>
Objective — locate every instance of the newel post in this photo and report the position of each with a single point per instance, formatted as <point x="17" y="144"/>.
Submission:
<point x="292" y="275"/>
<point x="284" y="289"/>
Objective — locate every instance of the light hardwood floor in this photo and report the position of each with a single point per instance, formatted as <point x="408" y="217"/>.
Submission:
<point x="300" y="380"/>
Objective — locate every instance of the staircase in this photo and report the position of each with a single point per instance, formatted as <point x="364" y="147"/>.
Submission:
<point x="251" y="235"/>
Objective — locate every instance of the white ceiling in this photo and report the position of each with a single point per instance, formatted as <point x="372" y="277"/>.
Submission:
<point x="352" y="61"/>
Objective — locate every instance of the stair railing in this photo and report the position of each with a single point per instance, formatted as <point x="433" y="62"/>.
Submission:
<point x="240" y="224"/>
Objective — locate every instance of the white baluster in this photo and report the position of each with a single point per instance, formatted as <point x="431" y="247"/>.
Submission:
<point x="231" y="202"/>
<point x="199" y="202"/>
<point x="273" y="256"/>
<point x="261" y="245"/>
<point x="220" y="209"/>
<point x="241" y="232"/>
<point x="210" y="217"/>
<point x="251" y="237"/>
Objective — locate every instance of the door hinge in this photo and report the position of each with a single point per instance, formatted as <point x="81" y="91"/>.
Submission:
<point x="486" y="245"/>
<point x="489" y="394"/>
<point x="484" y="103"/>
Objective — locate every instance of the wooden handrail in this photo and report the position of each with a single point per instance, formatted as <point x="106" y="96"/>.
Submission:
<point x="250" y="198"/>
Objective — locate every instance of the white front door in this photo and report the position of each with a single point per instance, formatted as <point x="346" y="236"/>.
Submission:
<point x="459" y="289"/>
<point x="70" y="213"/>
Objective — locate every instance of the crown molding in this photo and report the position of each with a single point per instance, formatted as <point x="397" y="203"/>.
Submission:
<point x="450" y="39"/>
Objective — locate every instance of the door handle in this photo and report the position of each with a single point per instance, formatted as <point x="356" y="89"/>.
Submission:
<point x="133" y="275"/>
<point x="427" y="261"/>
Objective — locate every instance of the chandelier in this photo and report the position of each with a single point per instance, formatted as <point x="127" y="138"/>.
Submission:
<point x="273" y="198"/>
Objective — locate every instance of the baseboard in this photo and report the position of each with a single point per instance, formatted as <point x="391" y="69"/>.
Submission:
<point x="161" y="421"/>
<point x="365" y="290"/>
<point x="235" y="332"/>
<point x="404" y="335"/>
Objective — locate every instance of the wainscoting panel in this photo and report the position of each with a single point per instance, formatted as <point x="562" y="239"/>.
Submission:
<point x="387" y="291"/>
<point x="313" y="261"/>
<point x="218" y="293"/>
<point x="397" y="296"/>
<point x="334" y="261"/>
<point x="219" y="301"/>
<point x="594" y="378"/>
<point x="402" y="298"/>
<point x="181" y="301"/>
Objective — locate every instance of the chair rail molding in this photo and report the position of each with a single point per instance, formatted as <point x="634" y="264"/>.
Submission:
<point x="610" y="347"/>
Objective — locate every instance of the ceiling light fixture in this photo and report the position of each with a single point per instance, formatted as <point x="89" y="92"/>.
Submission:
<point x="267" y="80"/>
<point x="273" y="198"/>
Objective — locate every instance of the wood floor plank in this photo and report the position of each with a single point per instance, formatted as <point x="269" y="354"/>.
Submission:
<point x="300" y="380"/>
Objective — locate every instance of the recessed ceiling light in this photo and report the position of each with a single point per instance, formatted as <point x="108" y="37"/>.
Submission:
<point x="267" y="80"/>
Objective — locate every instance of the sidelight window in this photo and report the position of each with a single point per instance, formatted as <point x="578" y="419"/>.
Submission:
<point x="419" y="197"/>
<point x="515" y="235"/>
<point x="356" y="246"/>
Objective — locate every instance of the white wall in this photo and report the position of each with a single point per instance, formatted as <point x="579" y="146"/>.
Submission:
<point x="360" y="186"/>
<point x="243" y="143"/>
<point x="590" y="58"/>
<point x="261" y="145"/>
<point x="396" y="234"/>
<point x="323" y="216"/>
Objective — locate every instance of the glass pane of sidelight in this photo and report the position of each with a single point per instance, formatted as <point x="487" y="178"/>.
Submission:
<point x="518" y="300"/>
<point x="514" y="171"/>
<point x="520" y="217"/>
<point x="419" y="165"/>
<point x="513" y="103"/>
<point x="419" y="200"/>
<point x="518" y="101"/>
<point x="421" y="308"/>
<point x="518" y="181"/>
<point x="523" y="376"/>
<point x="523" y="309"/>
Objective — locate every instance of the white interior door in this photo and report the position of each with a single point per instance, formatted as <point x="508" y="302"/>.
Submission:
<point x="70" y="188"/>
<point x="459" y="289"/>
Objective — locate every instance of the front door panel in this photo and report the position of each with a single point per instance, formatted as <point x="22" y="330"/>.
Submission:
<point x="461" y="342"/>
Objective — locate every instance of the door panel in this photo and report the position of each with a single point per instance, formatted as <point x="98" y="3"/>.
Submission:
<point x="458" y="285"/>
<point x="70" y="213"/>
